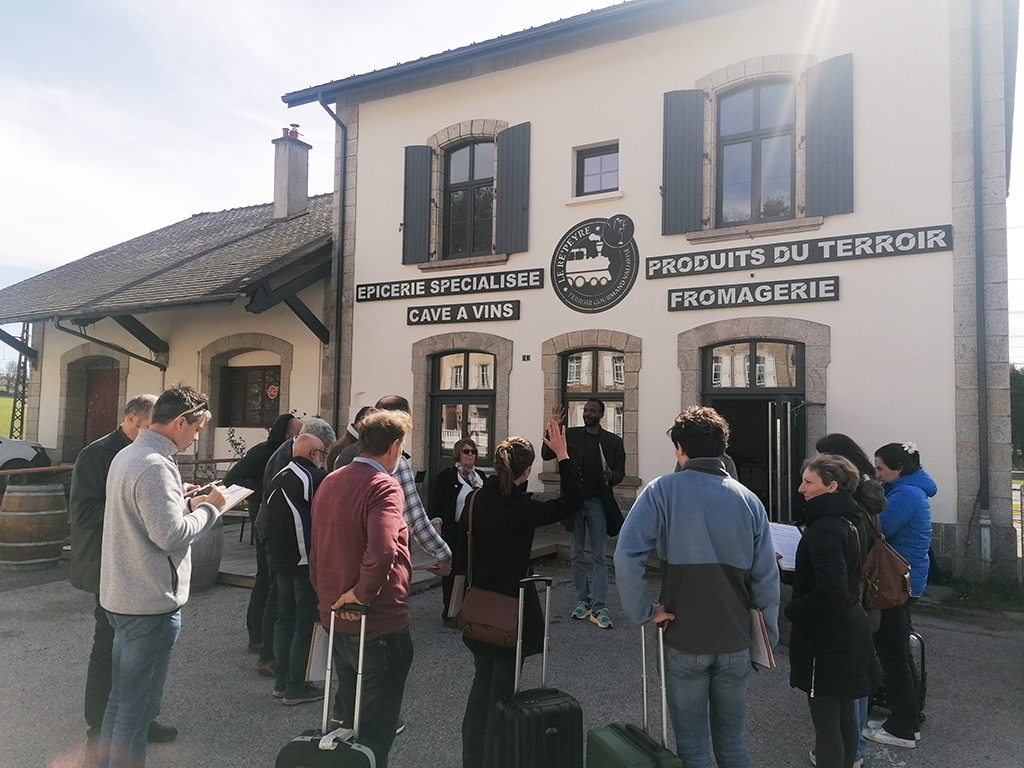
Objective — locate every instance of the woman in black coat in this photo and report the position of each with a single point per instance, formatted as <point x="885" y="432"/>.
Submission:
<point x="831" y="653"/>
<point x="504" y="518"/>
<point x="448" y="494"/>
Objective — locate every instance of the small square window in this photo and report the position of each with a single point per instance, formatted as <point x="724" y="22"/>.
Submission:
<point x="597" y="170"/>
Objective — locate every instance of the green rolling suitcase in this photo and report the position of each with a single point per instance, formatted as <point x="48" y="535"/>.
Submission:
<point x="623" y="745"/>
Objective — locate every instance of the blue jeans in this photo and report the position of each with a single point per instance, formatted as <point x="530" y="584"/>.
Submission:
<point x="698" y="684"/>
<point x="296" y="616"/>
<point x="590" y="518"/>
<point x="141" y="655"/>
<point x="385" y="668"/>
<point x="862" y="723"/>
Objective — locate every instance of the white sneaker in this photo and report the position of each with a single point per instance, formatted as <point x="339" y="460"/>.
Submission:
<point x="881" y="736"/>
<point x="876" y="724"/>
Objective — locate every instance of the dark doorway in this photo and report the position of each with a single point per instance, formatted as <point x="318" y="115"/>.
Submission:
<point x="758" y="386"/>
<point x="102" y="389"/>
<point x="766" y="442"/>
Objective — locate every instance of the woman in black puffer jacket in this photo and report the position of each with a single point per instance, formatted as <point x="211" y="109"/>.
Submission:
<point x="831" y="653"/>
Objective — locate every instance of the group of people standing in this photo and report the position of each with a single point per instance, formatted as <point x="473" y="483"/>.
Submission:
<point x="329" y="540"/>
<point x="836" y="647"/>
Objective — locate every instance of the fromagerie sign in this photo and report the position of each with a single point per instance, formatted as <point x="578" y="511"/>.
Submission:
<point x="826" y="250"/>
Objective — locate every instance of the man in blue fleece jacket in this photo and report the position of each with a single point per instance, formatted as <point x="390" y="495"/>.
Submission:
<point x="717" y="562"/>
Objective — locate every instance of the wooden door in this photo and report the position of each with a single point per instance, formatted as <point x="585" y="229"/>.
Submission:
<point x="102" y="408"/>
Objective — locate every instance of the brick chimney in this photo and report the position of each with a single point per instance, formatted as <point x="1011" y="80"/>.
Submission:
<point x="291" y="174"/>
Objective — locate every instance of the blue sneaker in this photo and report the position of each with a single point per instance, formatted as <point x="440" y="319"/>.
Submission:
<point x="582" y="610"/>
<point x="601" y="618"/>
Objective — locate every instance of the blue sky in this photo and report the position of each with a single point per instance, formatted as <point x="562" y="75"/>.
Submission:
<point x="122" y="116"/>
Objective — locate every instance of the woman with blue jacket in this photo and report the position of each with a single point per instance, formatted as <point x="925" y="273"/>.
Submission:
<point x="907" y="525"/>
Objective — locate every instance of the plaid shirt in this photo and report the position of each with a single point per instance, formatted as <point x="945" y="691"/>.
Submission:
<point x="416" y="517"/>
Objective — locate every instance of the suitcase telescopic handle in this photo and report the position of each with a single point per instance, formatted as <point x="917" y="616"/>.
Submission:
<point x="661" y="674"/>
<point x="546" y="581"/>
<point x="362" y="610"/>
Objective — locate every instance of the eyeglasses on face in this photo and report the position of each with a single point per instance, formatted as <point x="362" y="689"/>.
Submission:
<point x="319" y="451"/>
<point x="469" y="451"/>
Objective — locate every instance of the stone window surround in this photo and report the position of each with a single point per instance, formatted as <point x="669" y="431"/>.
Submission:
<point x="424" y="350"/>
<point x="72" y="398"/>
<point x="454" y="135"/>
<point x="815" y="337"/>
<point x="631" y="347"/>
<point x="215" y="355"/>
<point x="715" y="85"/>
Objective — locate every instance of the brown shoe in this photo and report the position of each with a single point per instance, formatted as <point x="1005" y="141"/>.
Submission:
<point x="267" y="668"/>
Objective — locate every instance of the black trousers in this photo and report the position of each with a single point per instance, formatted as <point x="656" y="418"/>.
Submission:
<point x="261" y="615"/>
<point x="892" y="643"/>
<point x="495" y="679"/>
<point x="836" y="731"/>
<point x="97" y="679"/>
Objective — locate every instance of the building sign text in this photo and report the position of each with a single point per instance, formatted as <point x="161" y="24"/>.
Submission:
<point x="754" y="294"/>
<point x="463" y="313"/>
<point x="490" y="282"/>
<point x="819" y="251"/>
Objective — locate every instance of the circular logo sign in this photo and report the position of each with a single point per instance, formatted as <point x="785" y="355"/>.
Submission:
<point x="272" y="392"/>
<point x="595" y="264"/>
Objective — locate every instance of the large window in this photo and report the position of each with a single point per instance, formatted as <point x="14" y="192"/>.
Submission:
<point x="462" y="398"/>
<point x="469" y="200"/>
<point x="249" y="396"/>
<point x="756" y="127"/>
<point x="597" y="170"/>
<point x="594" y="373"/>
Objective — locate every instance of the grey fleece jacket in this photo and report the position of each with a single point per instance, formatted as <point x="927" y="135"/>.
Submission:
<point x="148" y="531"/>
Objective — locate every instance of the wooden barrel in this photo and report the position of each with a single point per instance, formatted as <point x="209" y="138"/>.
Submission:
<point x="33" y="526"/>
<point x="206" y="554"/>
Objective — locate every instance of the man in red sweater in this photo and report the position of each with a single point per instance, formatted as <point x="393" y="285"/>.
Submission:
<point x="360" y="554"/>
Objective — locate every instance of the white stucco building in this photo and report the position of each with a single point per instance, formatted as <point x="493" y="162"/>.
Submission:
<point x="790" y="210"/>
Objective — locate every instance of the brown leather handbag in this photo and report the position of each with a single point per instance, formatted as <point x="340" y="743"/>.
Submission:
<point x="886" y="582"/>
<point x="487" y="616"/>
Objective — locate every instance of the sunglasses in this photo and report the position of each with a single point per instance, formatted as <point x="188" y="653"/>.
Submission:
<point x="469" y="451"/>
<point x="197" y="410"/>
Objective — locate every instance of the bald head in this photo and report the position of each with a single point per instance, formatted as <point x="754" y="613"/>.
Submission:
<point x="309" y="447"/>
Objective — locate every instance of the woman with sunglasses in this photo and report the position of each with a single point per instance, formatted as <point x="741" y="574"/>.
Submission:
<point x="448" y="495"/>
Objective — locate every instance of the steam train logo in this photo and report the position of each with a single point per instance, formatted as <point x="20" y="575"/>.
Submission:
<point x="595" y="264"/>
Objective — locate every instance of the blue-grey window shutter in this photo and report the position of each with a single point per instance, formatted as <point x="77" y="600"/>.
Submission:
<point x="416" y="212"/>
<point x="829" y="137"/>
<point x="682" y="181"/>
<point x="512" y="213"/>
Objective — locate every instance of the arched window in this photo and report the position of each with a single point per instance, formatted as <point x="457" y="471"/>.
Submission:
<point x="462" y="404"/>
<point x="594" y="374"/>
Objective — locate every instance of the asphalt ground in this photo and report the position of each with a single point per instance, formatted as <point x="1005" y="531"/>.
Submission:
<point x="228" y="719"/>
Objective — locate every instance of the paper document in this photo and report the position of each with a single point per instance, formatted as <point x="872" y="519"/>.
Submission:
<point x="786" y="537"/>
<point x="316" y="664"/>
<point x="236" y="495"/>
<point x="760" y="647"/>
<point x="458" y="592"/>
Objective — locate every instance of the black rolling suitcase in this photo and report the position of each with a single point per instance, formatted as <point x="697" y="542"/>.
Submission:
<point x="623" y="745"/>
<point x="541" y="727"/>
<point x="334" y="749"/>
<point x="917" y="669"/>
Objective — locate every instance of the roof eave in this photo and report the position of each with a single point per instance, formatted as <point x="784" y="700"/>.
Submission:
<point x="673" y="11"/>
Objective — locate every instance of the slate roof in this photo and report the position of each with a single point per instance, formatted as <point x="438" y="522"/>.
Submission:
<point x="208" y="257"/>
